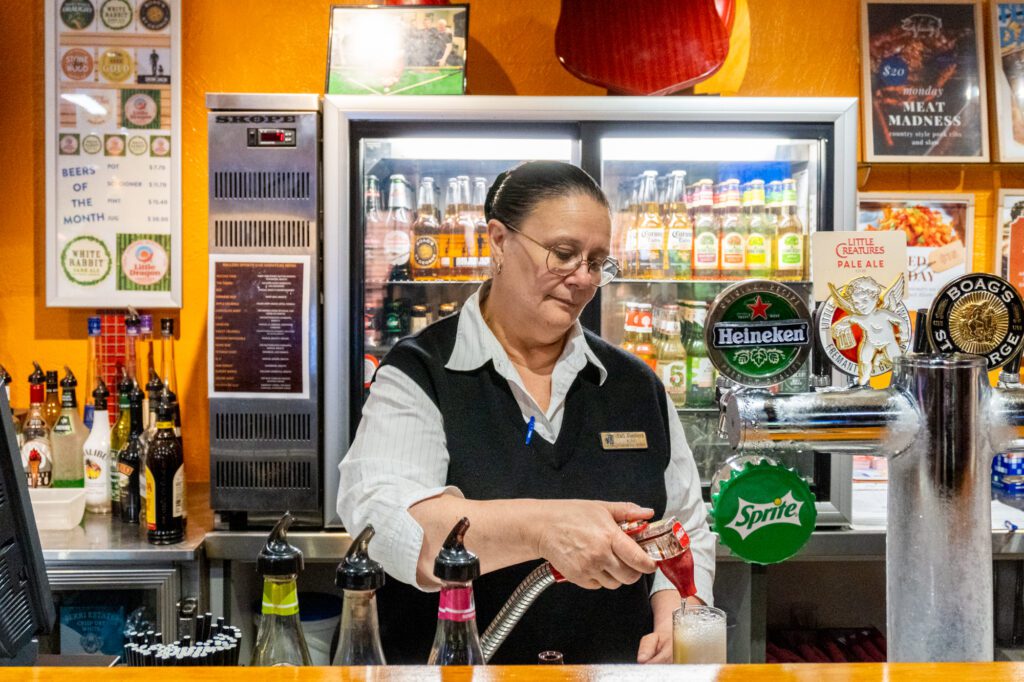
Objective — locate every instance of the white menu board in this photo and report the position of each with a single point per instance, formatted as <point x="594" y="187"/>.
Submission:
<point x="113" y="153"/>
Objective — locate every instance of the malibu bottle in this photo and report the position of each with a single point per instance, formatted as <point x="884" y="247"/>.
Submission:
<point x="456" y="641"/>
<point x="96" y="459"/>
<point x="165" y="478"/>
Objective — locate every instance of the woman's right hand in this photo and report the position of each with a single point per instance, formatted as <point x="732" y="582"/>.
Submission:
<point x="583" y="541"/>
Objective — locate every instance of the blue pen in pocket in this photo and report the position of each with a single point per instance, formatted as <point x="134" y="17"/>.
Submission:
<point x="529" y="429"/>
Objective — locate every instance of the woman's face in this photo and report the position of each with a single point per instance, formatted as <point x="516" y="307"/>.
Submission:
<point x="575" y="223"/>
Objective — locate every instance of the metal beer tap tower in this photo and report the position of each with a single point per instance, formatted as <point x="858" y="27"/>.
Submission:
<point x="939" y="423"/>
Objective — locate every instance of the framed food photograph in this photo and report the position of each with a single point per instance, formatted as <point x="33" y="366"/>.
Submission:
<point x="939" y="229"/>
<point x="923" y="73"/>
<point x="1009" y="261"/>
<point x="1008" y="78"/>
<point x="397" y="50"/>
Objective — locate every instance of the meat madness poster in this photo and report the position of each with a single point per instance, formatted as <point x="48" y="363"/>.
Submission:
<point x="924" y="82"/>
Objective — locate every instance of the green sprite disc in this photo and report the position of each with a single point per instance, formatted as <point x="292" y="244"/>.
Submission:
<point x="764" y="513"/>
<point x="758" y="332"/>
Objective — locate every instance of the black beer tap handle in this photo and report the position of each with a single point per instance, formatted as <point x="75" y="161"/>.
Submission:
<point x="821" y="366"/>
<point x="921" y="343"/>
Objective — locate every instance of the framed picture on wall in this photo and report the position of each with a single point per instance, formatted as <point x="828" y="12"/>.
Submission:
<point x="397" y="50"/>
<point x="923" y="73"/>
<point x="1009" y="261"/>
<point x="940" y="236"/>
<point x="1008" y="77"/>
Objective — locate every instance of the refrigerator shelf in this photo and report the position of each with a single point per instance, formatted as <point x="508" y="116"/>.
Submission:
<point x="419" y="282"/>
<point x="723" y="282"/>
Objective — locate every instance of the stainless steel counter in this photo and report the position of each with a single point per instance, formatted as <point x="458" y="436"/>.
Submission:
<point x="103" y="539"/>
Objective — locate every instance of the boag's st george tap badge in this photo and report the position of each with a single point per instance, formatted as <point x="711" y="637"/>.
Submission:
<point x="864" y="326"/>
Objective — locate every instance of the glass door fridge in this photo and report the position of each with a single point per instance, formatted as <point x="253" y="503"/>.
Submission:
<point x="689" y="180"/>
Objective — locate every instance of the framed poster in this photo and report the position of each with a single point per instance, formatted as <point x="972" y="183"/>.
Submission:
<point x="939" y="229"/>
<point x="1008" y="77"/>
<point x="113" y="153"/>
<point x="397" y="50"/>
<point x="924" y="98"/>
<point x="1009" y="262"/>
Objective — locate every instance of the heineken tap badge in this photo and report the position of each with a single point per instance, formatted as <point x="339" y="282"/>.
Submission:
<point x="865" y="326"/>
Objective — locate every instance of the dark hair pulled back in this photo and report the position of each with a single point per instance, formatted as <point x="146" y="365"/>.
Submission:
<point x="517" y="191"/>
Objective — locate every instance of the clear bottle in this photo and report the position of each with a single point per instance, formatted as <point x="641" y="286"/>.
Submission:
<point x="650" y="230"/>
<point x="630" y="255"/>
<point x="5" y="381"/>
<point x="734" y="232"/>
<point x="418" y="319"/>
<point x="119" y="437"/>
<point x="36" y="448"/>
<point x="456" y="641"/>
<point x="359" y="577"/>
<point x="760" y="232"/>
<point x="451" y="240"/>
<point x="279" y="640"/>
<point x="700" y="373"/>
<point x="132" y="332"/>
<point x="144" y="357"/>
<point x="51" y="405"/>
<point x="426" y="256"/>
<point x="168" y="367"/>
<point x="791" y="243"/>
<point x="97" y="455"/>
<point x="671" y="361"/>
<point x="465" y="262"/>
<point x="376" y="263"/>
<point x="398" y="229"/>
<point x="69" y="434"/>
<point x="165" y="478"/>
<point x="128" y="462"/>
<point x="639" y="337"/>
<point x="483" y="240"/>
<point x="678" y="230"/>
<point x="92" y="369"/>
<point x="707" y="233"/>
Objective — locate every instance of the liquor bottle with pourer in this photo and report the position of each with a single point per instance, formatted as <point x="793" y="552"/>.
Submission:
<point x="119" y="437"/>
<point x="92" y="369"/>
<point x="360" y="577"/>
<point x="68" y="436"/>
<point x="36" y="448"/>
<point x="165" y="478"/>
<point x="128" y="461"/>
<point x="279" y="640"/>
<point x="153" y="388"/>
<point x="97" y="460"/>
<point x="5" y="382"/>
<point x="51" y="405"/>
<point x="456" y="641"/>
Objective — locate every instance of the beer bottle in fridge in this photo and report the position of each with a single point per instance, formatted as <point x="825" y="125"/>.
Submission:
<point x="678" y="230"/>
<point x="483" y="240"/>
<point x="706" y="232"/>
<point x="398" y="229"/>
<point x="760" y="232"/>
<point x="671" y="360"/>
<point x="465" y="261"/>
<point x="700" y="373"/>
<point x="650" y="231"/>
<point x="426" y="260"/>
<point x="734" y="233"/>
<point x="452" y="240"/>
<point x="791" y="244"/>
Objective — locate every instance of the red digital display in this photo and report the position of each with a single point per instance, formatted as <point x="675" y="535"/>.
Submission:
<point x="272" y="136"/>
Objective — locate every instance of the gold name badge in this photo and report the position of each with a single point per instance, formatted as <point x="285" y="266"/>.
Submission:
<point x="623" y="440"/>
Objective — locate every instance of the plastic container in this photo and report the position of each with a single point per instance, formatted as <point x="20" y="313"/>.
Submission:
<point x="57" y="508"/>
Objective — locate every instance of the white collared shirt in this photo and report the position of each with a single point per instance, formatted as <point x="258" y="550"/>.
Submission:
<point x="399" y="456"/>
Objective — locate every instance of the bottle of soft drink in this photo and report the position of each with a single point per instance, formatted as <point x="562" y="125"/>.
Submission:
<point x="456" y="641"/>
<point x="678" y="231"/>
<point x="791" y="243"/>
<point x="650" y="231"/>
<point x="426" y="260"/>
<point x="398" y="229"/>
<point x="734" y="233"/>
<point x="760" y="232"/>
<point x="707" y="233"/>
<point x="700" y="373"/>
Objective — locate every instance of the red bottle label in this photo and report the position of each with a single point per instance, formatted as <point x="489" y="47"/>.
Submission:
<point x="457" y="604"/>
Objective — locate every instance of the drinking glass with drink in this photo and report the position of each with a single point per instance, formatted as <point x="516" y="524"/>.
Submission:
<point x="698" y="634"/>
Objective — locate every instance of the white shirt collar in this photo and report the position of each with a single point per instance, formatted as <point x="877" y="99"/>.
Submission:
<point x="475" y="344"/>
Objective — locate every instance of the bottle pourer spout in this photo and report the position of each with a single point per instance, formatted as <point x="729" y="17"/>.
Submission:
<point x="455" y="563"/>
<point x="279" y="557"/>
<point x="358" y="571"/>
<point x="69" y="380"/>
<point x="36" y="377"/>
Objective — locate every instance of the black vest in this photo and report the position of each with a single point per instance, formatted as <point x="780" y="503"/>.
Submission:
<point x="489" y="459"/>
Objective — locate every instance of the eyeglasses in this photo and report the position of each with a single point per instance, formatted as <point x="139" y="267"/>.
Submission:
<point x="563" y="260"/>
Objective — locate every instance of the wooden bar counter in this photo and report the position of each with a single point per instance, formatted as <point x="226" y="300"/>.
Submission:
<point x="810" y="672"/>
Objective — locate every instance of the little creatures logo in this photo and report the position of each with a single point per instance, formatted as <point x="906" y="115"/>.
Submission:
<point x="752" y="516"/>
<point x="864" y="327"/>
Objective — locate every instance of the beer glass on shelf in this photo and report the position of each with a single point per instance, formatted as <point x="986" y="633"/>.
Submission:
<point x="698" y="635"/>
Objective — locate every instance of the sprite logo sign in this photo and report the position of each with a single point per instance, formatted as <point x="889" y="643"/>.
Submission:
<point x="764" y="513"/>
<point x="758" y="332"/>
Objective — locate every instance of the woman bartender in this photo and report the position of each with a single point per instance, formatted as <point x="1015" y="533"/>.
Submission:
<point x="500" y="414"/>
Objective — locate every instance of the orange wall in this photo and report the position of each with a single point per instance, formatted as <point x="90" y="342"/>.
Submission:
<point x="798" y="48"/>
